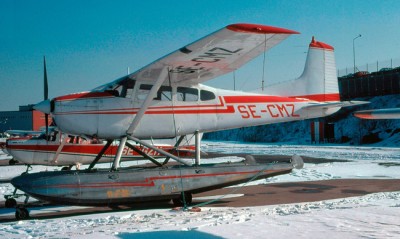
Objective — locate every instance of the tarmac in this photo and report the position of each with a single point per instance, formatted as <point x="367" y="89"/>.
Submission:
<point x="297" y="192"/>
<point x="248" y="196"/>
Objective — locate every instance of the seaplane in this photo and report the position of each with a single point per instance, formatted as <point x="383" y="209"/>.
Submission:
<point x="167" y="99"/>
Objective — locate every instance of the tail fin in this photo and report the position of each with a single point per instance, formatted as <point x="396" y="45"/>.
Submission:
<point x="319" y="79"/>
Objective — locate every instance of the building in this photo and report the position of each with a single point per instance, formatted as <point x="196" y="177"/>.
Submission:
<point x="365" y="84"/>
<point x="25" y="119"/>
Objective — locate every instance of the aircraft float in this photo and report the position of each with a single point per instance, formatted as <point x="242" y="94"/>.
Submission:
<point x="166" y="99"/>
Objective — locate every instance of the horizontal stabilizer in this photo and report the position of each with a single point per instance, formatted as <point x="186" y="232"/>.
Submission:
<point x="334" y="105"/>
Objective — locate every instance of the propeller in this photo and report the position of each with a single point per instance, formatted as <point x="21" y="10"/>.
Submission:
<point x="46" y="96"/>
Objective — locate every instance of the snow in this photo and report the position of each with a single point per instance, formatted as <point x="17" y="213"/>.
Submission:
<point x="4" y="156"/>
<point x="370" y="216"/>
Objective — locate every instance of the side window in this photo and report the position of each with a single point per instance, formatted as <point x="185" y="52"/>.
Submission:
<point x="164" y="93"/>
<point x="206" y="95"/>
<point x="187" y="94"/>
<point x="143" y="91"/>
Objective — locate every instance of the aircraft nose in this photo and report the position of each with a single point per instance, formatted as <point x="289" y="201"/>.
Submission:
<point x="43" y="106"/>
<point x="21" y="183"/>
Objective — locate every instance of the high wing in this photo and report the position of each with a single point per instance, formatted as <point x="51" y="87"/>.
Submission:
<point x="392" y="113"/>
<point x="216" y="54"/>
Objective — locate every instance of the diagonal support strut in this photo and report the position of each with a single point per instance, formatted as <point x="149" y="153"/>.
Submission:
<point x="175" y="146"/>
<point x="100" y="154"/>
<point x="159" y="151"/>
<point x="153" y="160"/>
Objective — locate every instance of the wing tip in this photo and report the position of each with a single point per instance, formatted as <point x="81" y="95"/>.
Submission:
<point x="259" y="29"/>
<point x="363" y="114"/>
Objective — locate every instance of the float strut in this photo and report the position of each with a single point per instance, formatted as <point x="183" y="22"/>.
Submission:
<point x="117" y="158"/>
<point x="176" y="147"/>
<point x="197" y="145"/>
<point x="98" y="157"/>
<point x="153" y="160"/>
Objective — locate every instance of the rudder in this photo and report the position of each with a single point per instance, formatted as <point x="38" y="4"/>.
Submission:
<point x="319" y="79"/>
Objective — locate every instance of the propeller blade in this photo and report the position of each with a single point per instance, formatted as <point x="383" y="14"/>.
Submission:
<point x="46" y="95"/>
<point x="46" y="90"/>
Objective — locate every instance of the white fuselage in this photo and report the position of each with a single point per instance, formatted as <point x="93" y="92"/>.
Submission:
<point x="175" y="111"/>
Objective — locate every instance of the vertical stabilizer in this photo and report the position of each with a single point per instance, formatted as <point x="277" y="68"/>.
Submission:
<point x="319" y="79"/>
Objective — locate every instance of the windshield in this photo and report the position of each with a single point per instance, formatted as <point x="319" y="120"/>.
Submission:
<point x="122" y="87"/>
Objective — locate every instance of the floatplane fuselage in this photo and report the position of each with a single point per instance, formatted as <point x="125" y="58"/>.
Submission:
<point x="201" y="108"/>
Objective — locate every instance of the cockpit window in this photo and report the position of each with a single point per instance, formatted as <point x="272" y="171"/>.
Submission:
<point x="125" y="88"/>
<point x="187" y="94"/>
<point x="164" y="93"/>
<point x="206" y="95"/>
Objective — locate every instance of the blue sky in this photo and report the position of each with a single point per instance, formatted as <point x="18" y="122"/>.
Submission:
<point x="88" y="43"/>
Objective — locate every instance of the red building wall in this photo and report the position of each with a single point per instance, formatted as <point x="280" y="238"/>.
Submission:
<point x="38" y="120"/>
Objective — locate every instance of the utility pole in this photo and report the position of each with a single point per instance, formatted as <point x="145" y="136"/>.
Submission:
<point x="354" y="52"/>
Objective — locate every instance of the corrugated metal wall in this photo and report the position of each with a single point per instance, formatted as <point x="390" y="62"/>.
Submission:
<point x="373" y="84"/>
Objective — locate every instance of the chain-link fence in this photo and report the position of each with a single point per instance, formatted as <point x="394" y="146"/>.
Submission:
<point x="371" y="67"/>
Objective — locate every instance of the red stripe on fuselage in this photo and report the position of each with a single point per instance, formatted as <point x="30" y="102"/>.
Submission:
<point x="84" y="95"/>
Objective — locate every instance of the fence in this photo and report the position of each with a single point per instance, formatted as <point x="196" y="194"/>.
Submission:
<point x="374" y="84"/>
<point x="371" y="67"/>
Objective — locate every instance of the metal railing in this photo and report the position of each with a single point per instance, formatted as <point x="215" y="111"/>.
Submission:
<point x="370" y="67"/>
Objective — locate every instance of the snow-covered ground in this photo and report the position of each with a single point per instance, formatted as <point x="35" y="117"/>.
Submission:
<point x="370" y="216"/>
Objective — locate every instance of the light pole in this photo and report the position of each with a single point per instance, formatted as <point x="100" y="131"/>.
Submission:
<point x="354" y="52"/>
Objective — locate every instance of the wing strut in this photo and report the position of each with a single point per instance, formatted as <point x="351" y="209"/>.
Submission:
<point x="197" y="144"/>
<point x="60" y="147"/>
<point x="161" y="78"/>
<point x="148" y="100"/>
